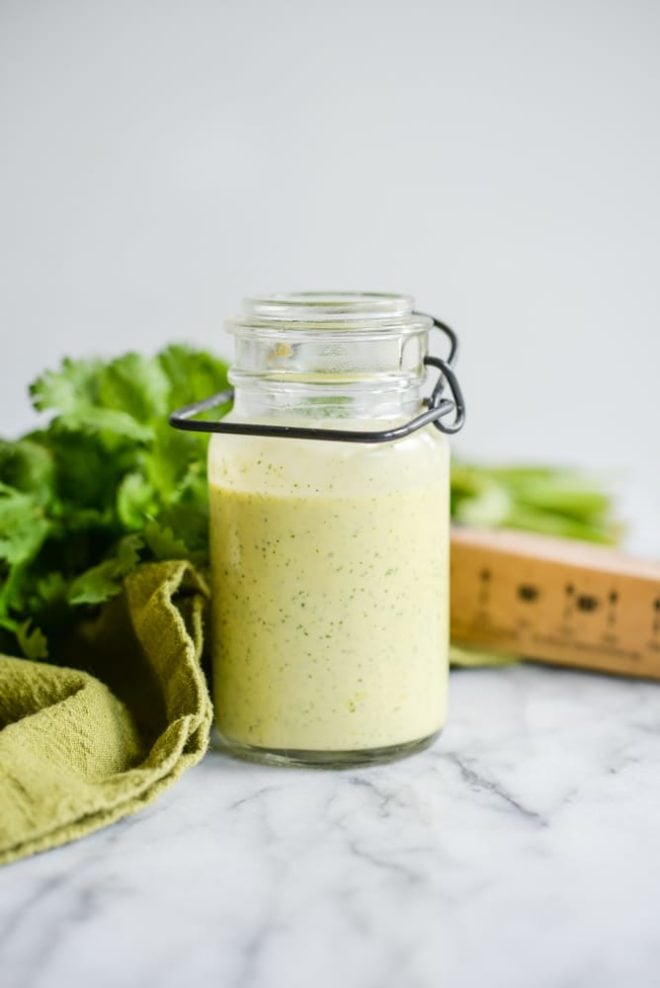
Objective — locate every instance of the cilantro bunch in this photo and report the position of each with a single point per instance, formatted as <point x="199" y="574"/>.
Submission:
<point x="106" y="484"/>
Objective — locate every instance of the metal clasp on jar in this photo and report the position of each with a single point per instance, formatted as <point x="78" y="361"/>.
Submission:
<point x="438" y="408"/>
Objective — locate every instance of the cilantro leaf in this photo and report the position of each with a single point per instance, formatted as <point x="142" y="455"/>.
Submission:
<point x="103" y="581"/>
<point x="23" y="526"/>
<point x="163" y="542"/>
<point x="28" y="467"/>
<point x="32" y="641"/>
<point x="192" y="374"/>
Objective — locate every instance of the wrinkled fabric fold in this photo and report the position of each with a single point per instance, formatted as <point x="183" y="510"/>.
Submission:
<point x="89" y="742"/>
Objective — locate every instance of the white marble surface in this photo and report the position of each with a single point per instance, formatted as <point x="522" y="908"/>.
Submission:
<point x="522" y="851"/>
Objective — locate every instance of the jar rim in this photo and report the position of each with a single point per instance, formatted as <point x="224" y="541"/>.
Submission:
<point x="330" y="310"/>
<point x="320" y="304"/>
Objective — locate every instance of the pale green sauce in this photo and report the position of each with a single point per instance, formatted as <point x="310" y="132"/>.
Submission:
<point x="330" y="602"/>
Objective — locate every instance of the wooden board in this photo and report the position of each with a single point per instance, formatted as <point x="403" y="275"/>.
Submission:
<point x="555" y="600"/>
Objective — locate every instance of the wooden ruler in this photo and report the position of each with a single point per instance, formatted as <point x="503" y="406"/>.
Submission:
<point x="555" y="600"/>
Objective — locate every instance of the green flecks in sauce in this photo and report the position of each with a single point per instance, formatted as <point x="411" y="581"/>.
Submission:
<point x="330" y="616"/>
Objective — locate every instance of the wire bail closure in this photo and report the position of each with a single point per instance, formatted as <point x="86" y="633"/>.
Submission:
<point x="437" y="407"/>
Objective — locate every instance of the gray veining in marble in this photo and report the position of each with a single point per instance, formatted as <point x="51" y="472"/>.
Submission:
<point x="522" y="851"/>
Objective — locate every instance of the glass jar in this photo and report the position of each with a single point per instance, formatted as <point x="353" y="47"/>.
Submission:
<point x="329" y="558"/>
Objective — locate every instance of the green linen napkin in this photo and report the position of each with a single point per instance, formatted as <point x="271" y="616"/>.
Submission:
<point x="84" y="744"/>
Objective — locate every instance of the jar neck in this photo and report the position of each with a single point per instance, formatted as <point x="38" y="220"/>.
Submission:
<point x="254" y="398"/>
<point x="330" y="355"/>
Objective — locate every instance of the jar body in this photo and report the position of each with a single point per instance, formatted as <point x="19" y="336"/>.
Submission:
<point x="331" y="597"/>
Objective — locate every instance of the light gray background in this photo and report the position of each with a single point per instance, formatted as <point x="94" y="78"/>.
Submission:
<point x="500" y="161"/>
